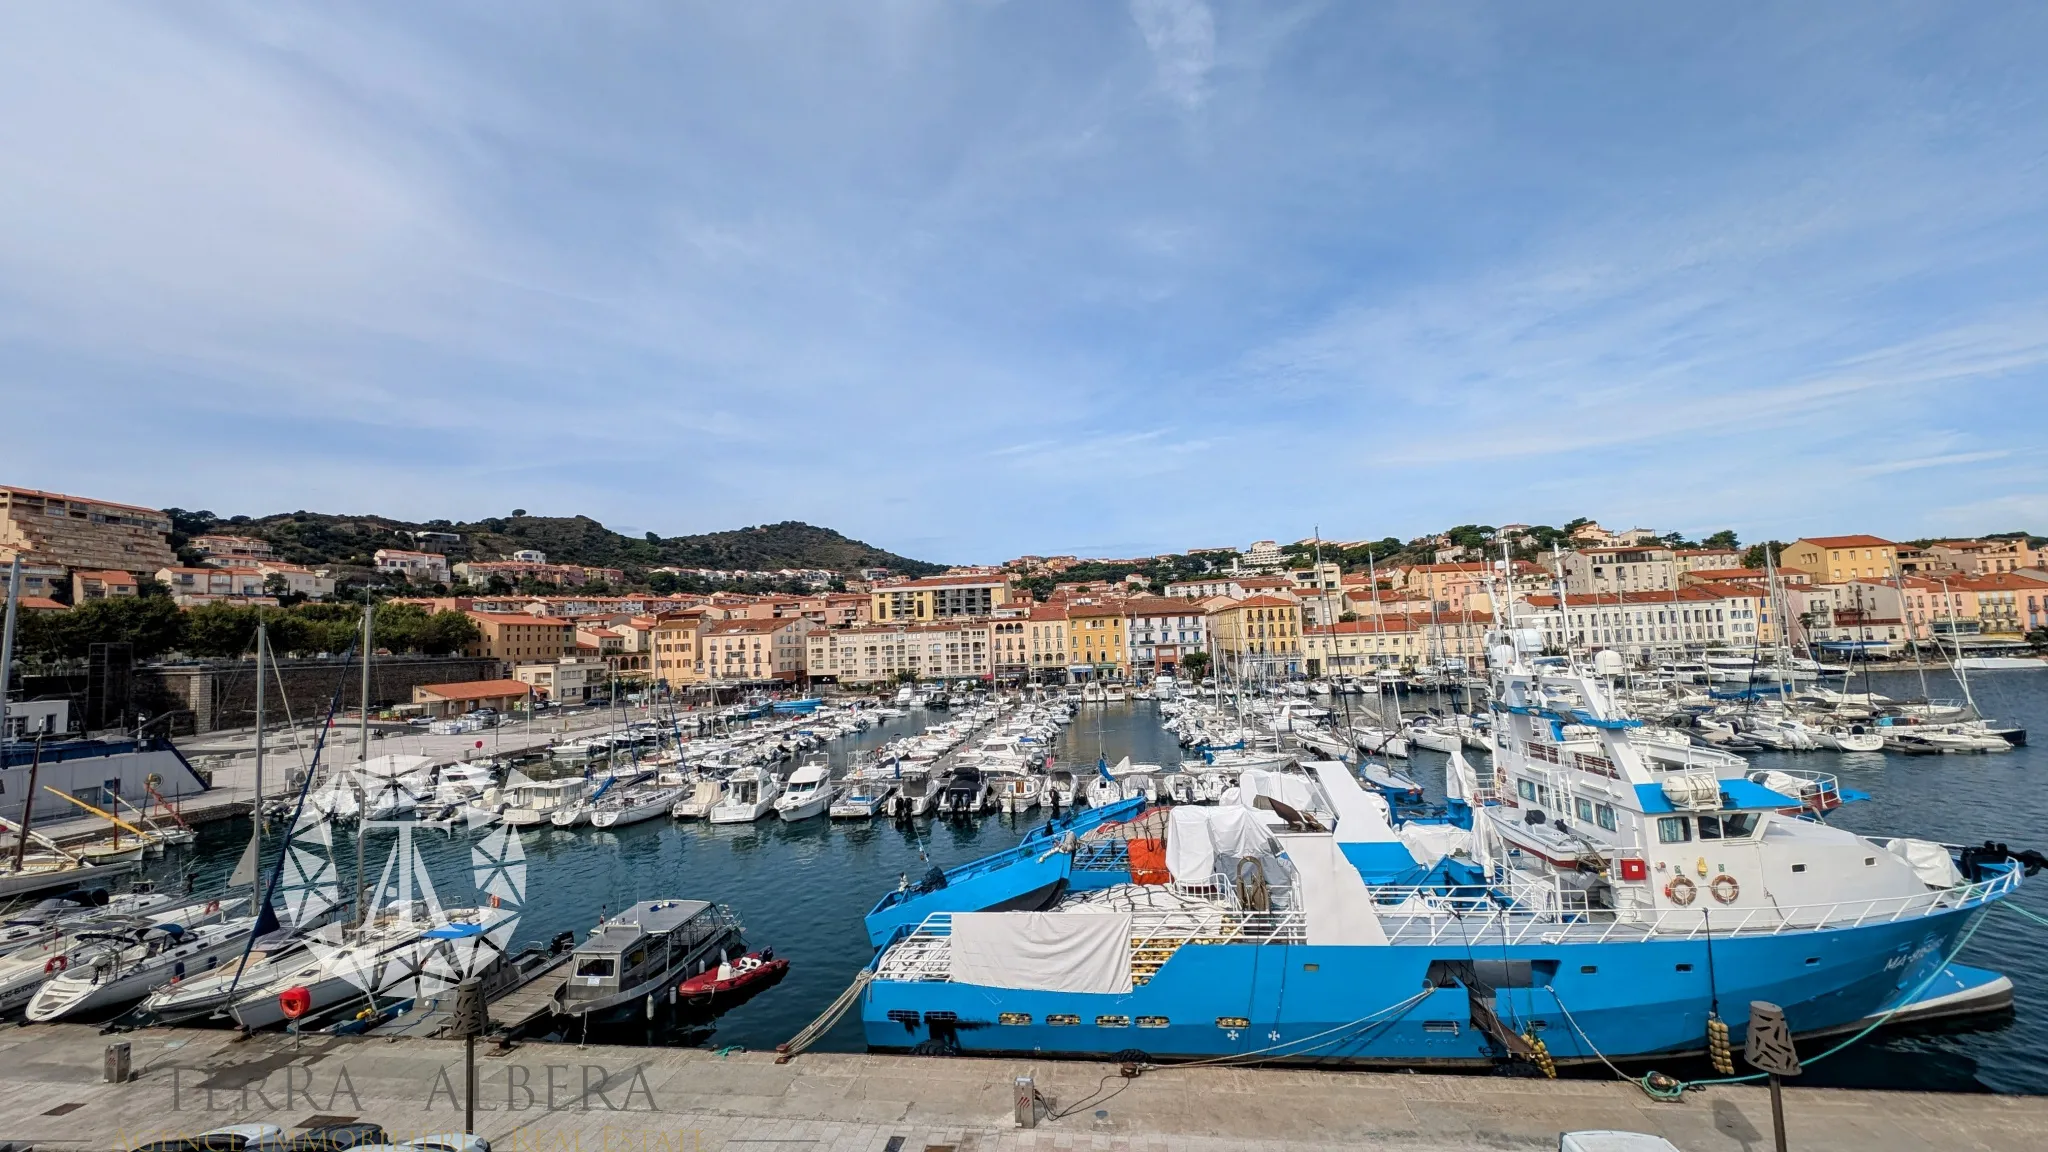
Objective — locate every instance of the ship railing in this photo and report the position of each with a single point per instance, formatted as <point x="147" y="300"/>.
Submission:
<point x="1431" y="915"/>
<point x="925" y="953"/>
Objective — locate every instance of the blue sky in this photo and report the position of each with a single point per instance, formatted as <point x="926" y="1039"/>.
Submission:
<point x="971" y="279"/>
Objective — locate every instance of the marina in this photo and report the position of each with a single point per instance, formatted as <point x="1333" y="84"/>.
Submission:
<point x="810" y="880"/>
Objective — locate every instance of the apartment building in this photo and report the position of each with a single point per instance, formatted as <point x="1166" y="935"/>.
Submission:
<point x="1096" y="638"/>
<point x="1987" y="557"/>
<point x="233" y="551"/>
<point x="570" y="680"/>
<point x="756" y="650"/>
<point x="298" y="579"/>
<point x="103" y="585"/>
<point x="1834" y="559"/>
<point x="193" y="587"/>
<point x="1258" y="633"/>
<point x="884" y="652"/>
<point x="50" y="530"/>
<point x="1605" y="571"/>
<point x="1162" y="631"/>
<point x="1644" y="625"/>
<point x="516" y="638"/>
<point x="676" y="653"/>
<point x="938" y="598"/>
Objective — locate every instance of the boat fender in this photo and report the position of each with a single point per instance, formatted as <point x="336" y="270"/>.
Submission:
<point x="1680" y="891"/>
<point x="212" y="906"/>
<point x="56" y="963"/>
<point x="295" y="1002"/>
<point x="1725" y="888"/>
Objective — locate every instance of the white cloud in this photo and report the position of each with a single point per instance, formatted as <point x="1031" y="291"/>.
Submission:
<point x="1181" y="35"/>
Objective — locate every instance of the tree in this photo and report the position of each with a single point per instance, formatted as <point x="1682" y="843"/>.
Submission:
<point x="1755" y="557"/>
<point x="1195" y="664"/>
<point x="1725" y="538"/>
<point x="220" y="630"/>
<point x="276" y="585"/>
<point x="519" y="511"/>
<point x="653" y="538"/>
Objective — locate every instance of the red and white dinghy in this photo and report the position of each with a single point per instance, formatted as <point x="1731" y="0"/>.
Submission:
<point x="732" y="977"/>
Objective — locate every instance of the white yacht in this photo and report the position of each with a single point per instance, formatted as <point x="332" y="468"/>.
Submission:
<point x="914" y="795"/>
<point x="698" y="798"/>
<point x="116" y="966"/>
<point x="809" y="793"/>
<point x="749" y="795"/>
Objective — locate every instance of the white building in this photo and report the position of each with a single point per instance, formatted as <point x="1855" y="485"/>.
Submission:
<point x="1162" y="630"/>
<point x="431" y="567"/>
<point x="1602" y="571"/>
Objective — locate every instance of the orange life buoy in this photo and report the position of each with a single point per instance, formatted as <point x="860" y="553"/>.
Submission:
<point x="494" y="899"/>
<point x="1680" y="891"/>
<point x="295" y="1002"/>
<point x="212" y="906"/>
<point x="1725" y="888"/>
<point x="56" y="963"/>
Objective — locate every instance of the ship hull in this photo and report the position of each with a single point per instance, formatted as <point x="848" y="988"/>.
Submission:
<point x="1349" y="1005"/>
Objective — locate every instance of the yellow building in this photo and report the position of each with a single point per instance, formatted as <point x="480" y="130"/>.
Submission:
<point x="1840" y="559"/>
<point x="938" y="598"/>
<point x="1358" y="647"/>
<point x="1096" y="635"/>
<point x="676" y="647"/>
<point x="1257" y="633"/>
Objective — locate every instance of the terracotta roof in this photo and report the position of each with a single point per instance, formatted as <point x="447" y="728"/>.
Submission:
<point x="1159" y="606"/>
<point x="1083" y="610"/>
<point x="117" y="576"/>
<point x="1257" y="602"/>
<point x="1846" y="541"/>
<point x="477" y="689"/>
<point x="41" y="604"/>
<point x="517" y="618"/>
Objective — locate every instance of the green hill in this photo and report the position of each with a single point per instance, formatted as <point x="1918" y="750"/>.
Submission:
<point x="322" y="540"/>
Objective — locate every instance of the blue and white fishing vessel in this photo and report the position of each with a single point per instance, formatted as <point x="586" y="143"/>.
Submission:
<point x="1600" y="894"/>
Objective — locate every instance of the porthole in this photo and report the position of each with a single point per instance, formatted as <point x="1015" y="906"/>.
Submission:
<point x="1013" y="1018"/>
<point x="1061" y="1019"/>
<point x="1233" y="1022"/>
<point x="1112" y="1021"/>
<point x="1152" y="1022"/>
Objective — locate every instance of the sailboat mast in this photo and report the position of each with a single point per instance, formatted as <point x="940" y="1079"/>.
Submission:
<point x="363" y="763"/>
<point x="261" y="645"/>
<point x="7" y="646"/>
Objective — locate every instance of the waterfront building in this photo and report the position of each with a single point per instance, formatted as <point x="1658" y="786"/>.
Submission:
<point x="1354" y="647"/>
<point x="514" y="638"/>
<point x="938" y="598"/>
<point x="755" y="650"/>
<point x="50" y="530"/>
<point x="1688" y="560"/>
<point x="1257" y="634"/>
<point x="677" y="654"/>
<point x="885" y="652"/>
<point x="1207" y="588"/>
<point x="445" y="700"/>
<point x="570" y="680"/>
<point x="1097" y="635"/>
<point x="428" y="567"/>
<point x="1046" y="631"/>
<point x="1834" y="559"/>
<point x="1162" y="630"/>
<point x="1642" y="625"/>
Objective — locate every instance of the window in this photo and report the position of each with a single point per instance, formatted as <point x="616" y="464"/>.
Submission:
<point x="1062" y="1019"/>
<point x="1526" y="789"/>
<point x="595" y="966"/>
<point x="1603" y="814"/>
<point x="1673" y="830"/>
<point x="1585" y="810"/>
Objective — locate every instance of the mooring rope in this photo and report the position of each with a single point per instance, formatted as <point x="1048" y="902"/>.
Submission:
<point x="1654" y="1086"/>
<point x="816" y="1029"/>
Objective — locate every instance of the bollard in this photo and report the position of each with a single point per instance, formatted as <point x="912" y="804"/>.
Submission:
<point x="1027" y="1103"/>
<point x="116" y="1070"/>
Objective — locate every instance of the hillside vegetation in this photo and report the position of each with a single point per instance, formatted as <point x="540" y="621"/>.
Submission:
<point x="321" y="540"/>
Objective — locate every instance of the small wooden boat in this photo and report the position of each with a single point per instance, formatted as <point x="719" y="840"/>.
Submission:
<point x="732" y="978"/>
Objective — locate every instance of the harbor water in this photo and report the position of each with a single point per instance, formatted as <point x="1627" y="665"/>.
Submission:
<point x="802" y="888"/>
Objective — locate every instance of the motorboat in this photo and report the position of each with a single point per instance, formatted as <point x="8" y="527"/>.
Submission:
<point x="645" y="950"/>
<point x="1016" y="791"/>
<point x="1850" y="738"/>
<point x="914" y="794"/>
<point x="731" y="978"/>
<point x="1374" y="740"/>
<point x="750" y="794"/>
<point x="1061" y="789"/>
<point x="1434" y="733"/>
<point x="964" y="794"/>
<point x="26" y="969"/>
<point x="809" y="792"/>
<point x="529" y="803"/>
<point x="862" y="799"/>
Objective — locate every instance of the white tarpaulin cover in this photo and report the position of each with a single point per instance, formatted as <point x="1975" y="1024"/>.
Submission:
<point x="1190" y="850"/>
<point x="1044" y="951"/>
<point x="1334" y="899"/>
<point x="1200" y="840"/>
<point x="1931" y="862"/>
<point x="1429" y="843"/>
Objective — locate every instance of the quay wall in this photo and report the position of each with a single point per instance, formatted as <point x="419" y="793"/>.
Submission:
<point x="223" y="694"/>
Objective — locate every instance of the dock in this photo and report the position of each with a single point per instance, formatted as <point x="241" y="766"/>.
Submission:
<point x="530" y="1004"/>
<point x="572" y="1098"/>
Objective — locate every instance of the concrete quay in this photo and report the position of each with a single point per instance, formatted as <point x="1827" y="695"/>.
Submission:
<point x="566" y="1098"/>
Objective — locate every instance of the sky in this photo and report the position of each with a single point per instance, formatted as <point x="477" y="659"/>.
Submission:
<point x="973" y="279"/>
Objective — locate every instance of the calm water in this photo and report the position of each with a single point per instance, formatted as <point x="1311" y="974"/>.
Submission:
<point x="802" y="888"/>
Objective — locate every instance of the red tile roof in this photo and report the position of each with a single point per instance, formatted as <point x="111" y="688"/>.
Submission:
<point x="478" y="689"/>
<point x="1846" y="541"/>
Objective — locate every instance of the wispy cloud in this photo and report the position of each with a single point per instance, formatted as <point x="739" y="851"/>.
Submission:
<point x="1181" y="35"/>
<point x="1151" y="275"/>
